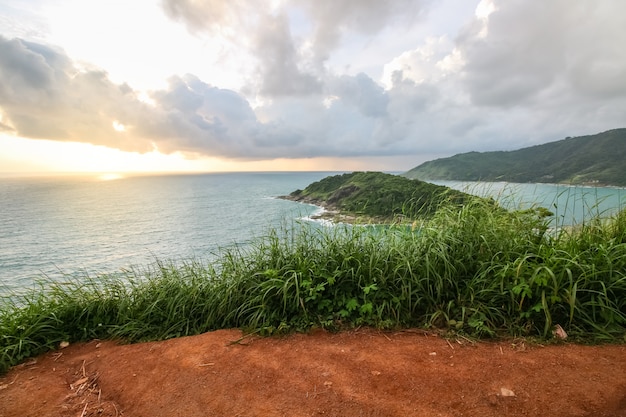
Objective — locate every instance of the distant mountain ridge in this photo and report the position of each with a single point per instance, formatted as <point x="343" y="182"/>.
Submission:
<point x="594" y="159"/>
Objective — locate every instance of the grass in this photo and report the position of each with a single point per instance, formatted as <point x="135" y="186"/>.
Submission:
<point x="477" y="271"/>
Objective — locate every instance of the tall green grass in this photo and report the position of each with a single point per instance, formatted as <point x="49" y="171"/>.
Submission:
<point x="477" y="270"/>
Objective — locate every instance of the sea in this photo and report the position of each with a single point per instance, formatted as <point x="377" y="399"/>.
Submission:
<point x="52" y="227"/>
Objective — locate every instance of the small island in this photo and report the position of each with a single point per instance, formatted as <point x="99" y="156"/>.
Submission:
<point x="376" y="197"/>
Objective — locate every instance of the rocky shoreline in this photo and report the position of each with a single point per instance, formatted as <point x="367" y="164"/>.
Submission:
<point x="331" y="212"/>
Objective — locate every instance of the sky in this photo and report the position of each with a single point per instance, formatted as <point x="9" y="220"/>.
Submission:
<point x="254" y="85"/>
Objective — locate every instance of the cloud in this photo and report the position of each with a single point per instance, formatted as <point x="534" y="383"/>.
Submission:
<point x="45" y="95"/>
<point x="291" y="63"/>
<point x="42" y="94"/>
<point x="522" y="49"/>
<point x="197" y="117"/>
<point x="430" y="62"/>
<point x="360" y="92"/>
<point x="331" y="20"/>
<point x="213" y="15"/>
<point x="279" y="73"/>
<point x="516" y="74"/>
<point x="28" y="67"/>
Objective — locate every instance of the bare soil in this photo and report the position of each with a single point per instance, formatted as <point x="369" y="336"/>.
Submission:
<point x="353" y="373"/>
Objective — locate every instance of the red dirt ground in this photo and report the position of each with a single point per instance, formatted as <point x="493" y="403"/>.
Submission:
<point x="348" y="374"/>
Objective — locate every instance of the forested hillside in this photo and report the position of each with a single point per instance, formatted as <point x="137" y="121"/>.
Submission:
<point x="595" y="159"/>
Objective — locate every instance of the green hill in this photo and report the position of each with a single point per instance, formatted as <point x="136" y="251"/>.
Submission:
<point x="594" y="159"/>
<point x="376" y="196"/>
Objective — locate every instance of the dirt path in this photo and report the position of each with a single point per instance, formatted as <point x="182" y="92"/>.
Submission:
<point x="356" y="373"/>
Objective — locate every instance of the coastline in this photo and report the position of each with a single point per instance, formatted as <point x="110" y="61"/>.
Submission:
<point x="329" y="214"/>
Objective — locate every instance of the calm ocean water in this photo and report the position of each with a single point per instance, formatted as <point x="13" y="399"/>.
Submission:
<point x="52" y="226"/>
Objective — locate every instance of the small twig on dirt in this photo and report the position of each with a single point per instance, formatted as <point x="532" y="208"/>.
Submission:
<point x="84" y="409"/>
<point x="387" y="337"/>
<point x="468" y="339"/>
<point x="79" y="383"/>
<point x="314" y="394"/>
<point x="5" y="386"/>
<point x="501" y="352"/>
<point x="83" y="367"/>
<point x="117" y="413"/>
<point x="238" y="341"/>
<point x="57" y="356"/>
<point x="449" y="344"/>
<point x="207" y="364"/>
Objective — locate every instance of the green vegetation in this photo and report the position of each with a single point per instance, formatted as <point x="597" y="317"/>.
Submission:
<point x="380" y="197"/>
<point x="473" y="270"/>
<point x="596" y="159"/>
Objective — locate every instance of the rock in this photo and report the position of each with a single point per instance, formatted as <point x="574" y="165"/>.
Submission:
<point x="558" y="332"/>
<point x="505" y="392"/>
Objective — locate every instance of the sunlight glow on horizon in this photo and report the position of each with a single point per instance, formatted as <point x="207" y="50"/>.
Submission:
<point x="19" y="156"/>
<point x="110" y="177"/>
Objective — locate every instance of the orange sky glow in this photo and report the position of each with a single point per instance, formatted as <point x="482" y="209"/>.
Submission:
<point x="20" y="156"/>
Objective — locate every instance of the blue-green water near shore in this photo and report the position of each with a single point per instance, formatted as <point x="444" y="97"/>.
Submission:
<point x="53" y="226"/>
<point x="571" y="205"/>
